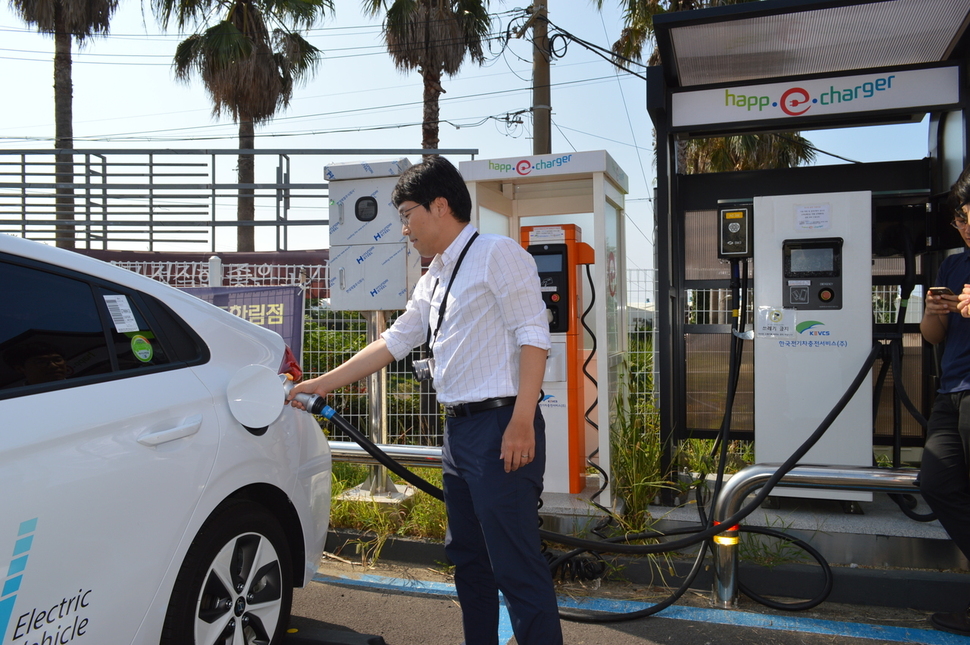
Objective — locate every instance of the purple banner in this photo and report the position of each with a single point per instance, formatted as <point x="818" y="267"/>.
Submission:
<point x="277" y="308"/>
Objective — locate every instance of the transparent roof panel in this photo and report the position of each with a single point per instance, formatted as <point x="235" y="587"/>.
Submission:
<point x="798" y="40"/>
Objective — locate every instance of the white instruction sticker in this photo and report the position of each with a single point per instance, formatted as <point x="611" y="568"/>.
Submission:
<point x="547" y="235"/>
<point x="775" y="322"/>
<point x="813" y="218"/>
<point x="121" y="313"/>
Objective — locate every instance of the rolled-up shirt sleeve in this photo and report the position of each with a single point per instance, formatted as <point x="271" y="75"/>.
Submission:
<point x="512" y="272"/>
<point x="411" y="327"/>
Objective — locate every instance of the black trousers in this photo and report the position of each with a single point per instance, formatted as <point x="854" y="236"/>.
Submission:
<point x="493" y="532"/>
<point x="945" y="471"/>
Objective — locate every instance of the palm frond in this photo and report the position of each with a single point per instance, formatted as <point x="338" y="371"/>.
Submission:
<point x="299" y="14"/>
<point x="81" y="19"/>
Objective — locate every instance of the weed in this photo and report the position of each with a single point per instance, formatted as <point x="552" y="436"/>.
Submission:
<point x="424" y="517"/>
<point x="769" y="551"/>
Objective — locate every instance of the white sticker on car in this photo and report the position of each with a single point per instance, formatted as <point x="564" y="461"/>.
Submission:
<point x="121" y="313"/>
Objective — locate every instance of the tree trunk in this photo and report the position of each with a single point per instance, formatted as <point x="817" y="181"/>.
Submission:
<point x="246" y="207"/>
<point x="432" y="90"/>
<point x="63" y="132"/>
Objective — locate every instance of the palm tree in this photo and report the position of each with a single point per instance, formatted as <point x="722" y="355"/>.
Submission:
<point x="434" y="37"/>
<point x="65" y="20"/>
<point x="248" y="69"/>
<point x="745" y="152"/>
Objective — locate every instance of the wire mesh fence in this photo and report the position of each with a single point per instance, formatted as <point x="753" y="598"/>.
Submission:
<point x="331" y="337"/>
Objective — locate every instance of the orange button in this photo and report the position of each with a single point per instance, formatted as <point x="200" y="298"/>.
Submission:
<point x="825" y="295"/>
<point x="554" y="297"/>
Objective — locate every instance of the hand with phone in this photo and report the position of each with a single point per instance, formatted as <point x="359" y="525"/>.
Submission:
<point x="941" y="301"/>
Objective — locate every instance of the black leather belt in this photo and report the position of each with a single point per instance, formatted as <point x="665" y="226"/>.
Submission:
<point x="468" y="409"/>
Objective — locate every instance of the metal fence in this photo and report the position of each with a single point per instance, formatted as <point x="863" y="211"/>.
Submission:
<point x="330" y="337"/>
<point x="166" y="199"/>
<point x="98" y="199"/>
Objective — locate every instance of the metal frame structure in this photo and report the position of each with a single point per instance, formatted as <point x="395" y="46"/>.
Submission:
<point x="792" y="43"/>
<point x="151" y="199"/>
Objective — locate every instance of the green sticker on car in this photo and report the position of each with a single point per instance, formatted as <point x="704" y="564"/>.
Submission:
<point x="142" y="348"/>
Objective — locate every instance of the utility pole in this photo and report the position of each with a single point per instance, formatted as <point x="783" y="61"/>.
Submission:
<point x="541" y="99"/>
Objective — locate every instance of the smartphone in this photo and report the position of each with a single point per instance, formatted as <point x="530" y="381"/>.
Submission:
<point x="941" y="291"/>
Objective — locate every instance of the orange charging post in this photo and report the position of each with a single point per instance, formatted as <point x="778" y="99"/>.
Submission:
<point x="559" y="253"/>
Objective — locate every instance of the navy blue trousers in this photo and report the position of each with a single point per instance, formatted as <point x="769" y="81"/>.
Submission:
<point x="493" y="532"/>
<point x="945" y="470"/>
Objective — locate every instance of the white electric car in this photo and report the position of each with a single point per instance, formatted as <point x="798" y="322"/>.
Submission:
<point x="143" y="500"/>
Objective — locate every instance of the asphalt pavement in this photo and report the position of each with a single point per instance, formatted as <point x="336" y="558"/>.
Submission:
<point x="392" y="604"/>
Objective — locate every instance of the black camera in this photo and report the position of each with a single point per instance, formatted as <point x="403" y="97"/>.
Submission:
<point x="422" y="368"/>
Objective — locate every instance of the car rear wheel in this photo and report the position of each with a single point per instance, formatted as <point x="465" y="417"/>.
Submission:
<point x="235" y="586"/>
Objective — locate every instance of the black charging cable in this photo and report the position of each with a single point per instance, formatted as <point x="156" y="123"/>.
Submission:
<point x="316" y="405"/>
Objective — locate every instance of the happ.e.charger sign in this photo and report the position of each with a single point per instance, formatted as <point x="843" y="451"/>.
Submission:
<point x="818" y="97"/>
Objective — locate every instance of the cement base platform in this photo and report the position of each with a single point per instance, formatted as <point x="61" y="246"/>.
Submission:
<point x="879" y="557"/>
<point x="881" y="536"/>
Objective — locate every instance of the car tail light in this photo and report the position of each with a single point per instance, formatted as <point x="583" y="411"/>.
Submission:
<point x="290" y="365"/>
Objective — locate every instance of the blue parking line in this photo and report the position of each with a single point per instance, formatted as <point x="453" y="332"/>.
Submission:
<point x="408" y="585"/>
<point x="677" y="612"/>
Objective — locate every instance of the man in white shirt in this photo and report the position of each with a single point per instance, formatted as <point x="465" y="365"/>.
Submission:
<point x="480" y="309"/>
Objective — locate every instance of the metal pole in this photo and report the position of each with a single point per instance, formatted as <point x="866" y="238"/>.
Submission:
<point x="541" y="96"/>
<point x="751" y="478"/>
<point x="379" y="483"/>
<point x="215" y="271"/>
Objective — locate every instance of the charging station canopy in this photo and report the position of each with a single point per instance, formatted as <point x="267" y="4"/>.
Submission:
<point x="796" y="65"/>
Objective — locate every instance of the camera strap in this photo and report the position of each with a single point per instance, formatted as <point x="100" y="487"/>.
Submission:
<point x="444" y="300"/>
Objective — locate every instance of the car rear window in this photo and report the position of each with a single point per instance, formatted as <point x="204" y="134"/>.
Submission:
<point x="59" y="329"/>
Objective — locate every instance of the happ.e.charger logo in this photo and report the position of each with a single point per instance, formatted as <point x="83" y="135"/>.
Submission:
<point x="796" y="101"/>
<point x="525" y="166"/>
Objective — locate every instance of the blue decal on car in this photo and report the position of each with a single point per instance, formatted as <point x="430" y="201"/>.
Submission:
<point x="18" y="563"/>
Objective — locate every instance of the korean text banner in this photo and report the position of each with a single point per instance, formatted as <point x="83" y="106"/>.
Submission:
<point x="279" y="309"/>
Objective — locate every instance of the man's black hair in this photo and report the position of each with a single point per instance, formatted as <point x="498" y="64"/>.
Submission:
<point x="960" y="194"/>
<point x="424" y="182"/>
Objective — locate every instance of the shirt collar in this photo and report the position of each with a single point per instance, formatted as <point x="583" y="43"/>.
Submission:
<point x="450" y="255"/>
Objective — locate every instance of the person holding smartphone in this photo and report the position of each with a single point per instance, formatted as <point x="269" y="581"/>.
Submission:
<point x="945" y="472"/>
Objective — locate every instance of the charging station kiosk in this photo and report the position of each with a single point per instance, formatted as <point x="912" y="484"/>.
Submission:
<point x="568" y="211"/>
<point x="813" y="329"/>
<point x="836" y="248"/>
<point x="560" y="254"/>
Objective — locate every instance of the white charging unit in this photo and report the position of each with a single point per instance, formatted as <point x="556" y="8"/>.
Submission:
<point x="372" y="265"/>
<point x="813" y="329"/>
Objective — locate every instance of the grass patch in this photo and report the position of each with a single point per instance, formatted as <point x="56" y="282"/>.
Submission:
<point x="423" y="517"/>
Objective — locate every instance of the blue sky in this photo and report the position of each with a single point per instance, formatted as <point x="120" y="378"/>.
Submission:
<point x="125" y="95"/>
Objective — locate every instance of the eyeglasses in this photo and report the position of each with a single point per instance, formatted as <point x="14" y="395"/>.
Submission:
<point x="959" y="223"/>
<point x="406" y="214"/>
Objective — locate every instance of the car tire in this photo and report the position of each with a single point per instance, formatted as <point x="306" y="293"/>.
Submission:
<point x="236" y="583"/>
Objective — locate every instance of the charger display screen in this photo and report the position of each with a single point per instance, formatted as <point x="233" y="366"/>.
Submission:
<point x="548" y="263"/>
<point x="553" y="267"/>
<point x="818" y="260"/>
<point x="812" y="273"/>
<point x="812" y="258"/>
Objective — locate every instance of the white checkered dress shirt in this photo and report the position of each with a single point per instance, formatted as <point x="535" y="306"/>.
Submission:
<point x="494" y="308"/>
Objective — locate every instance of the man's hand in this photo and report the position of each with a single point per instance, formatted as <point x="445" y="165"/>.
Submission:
<point x="312" y="386"/>
<point x="518" y="444"/>
<point x="963" y="302"/>
<point x="941" y="305"/>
